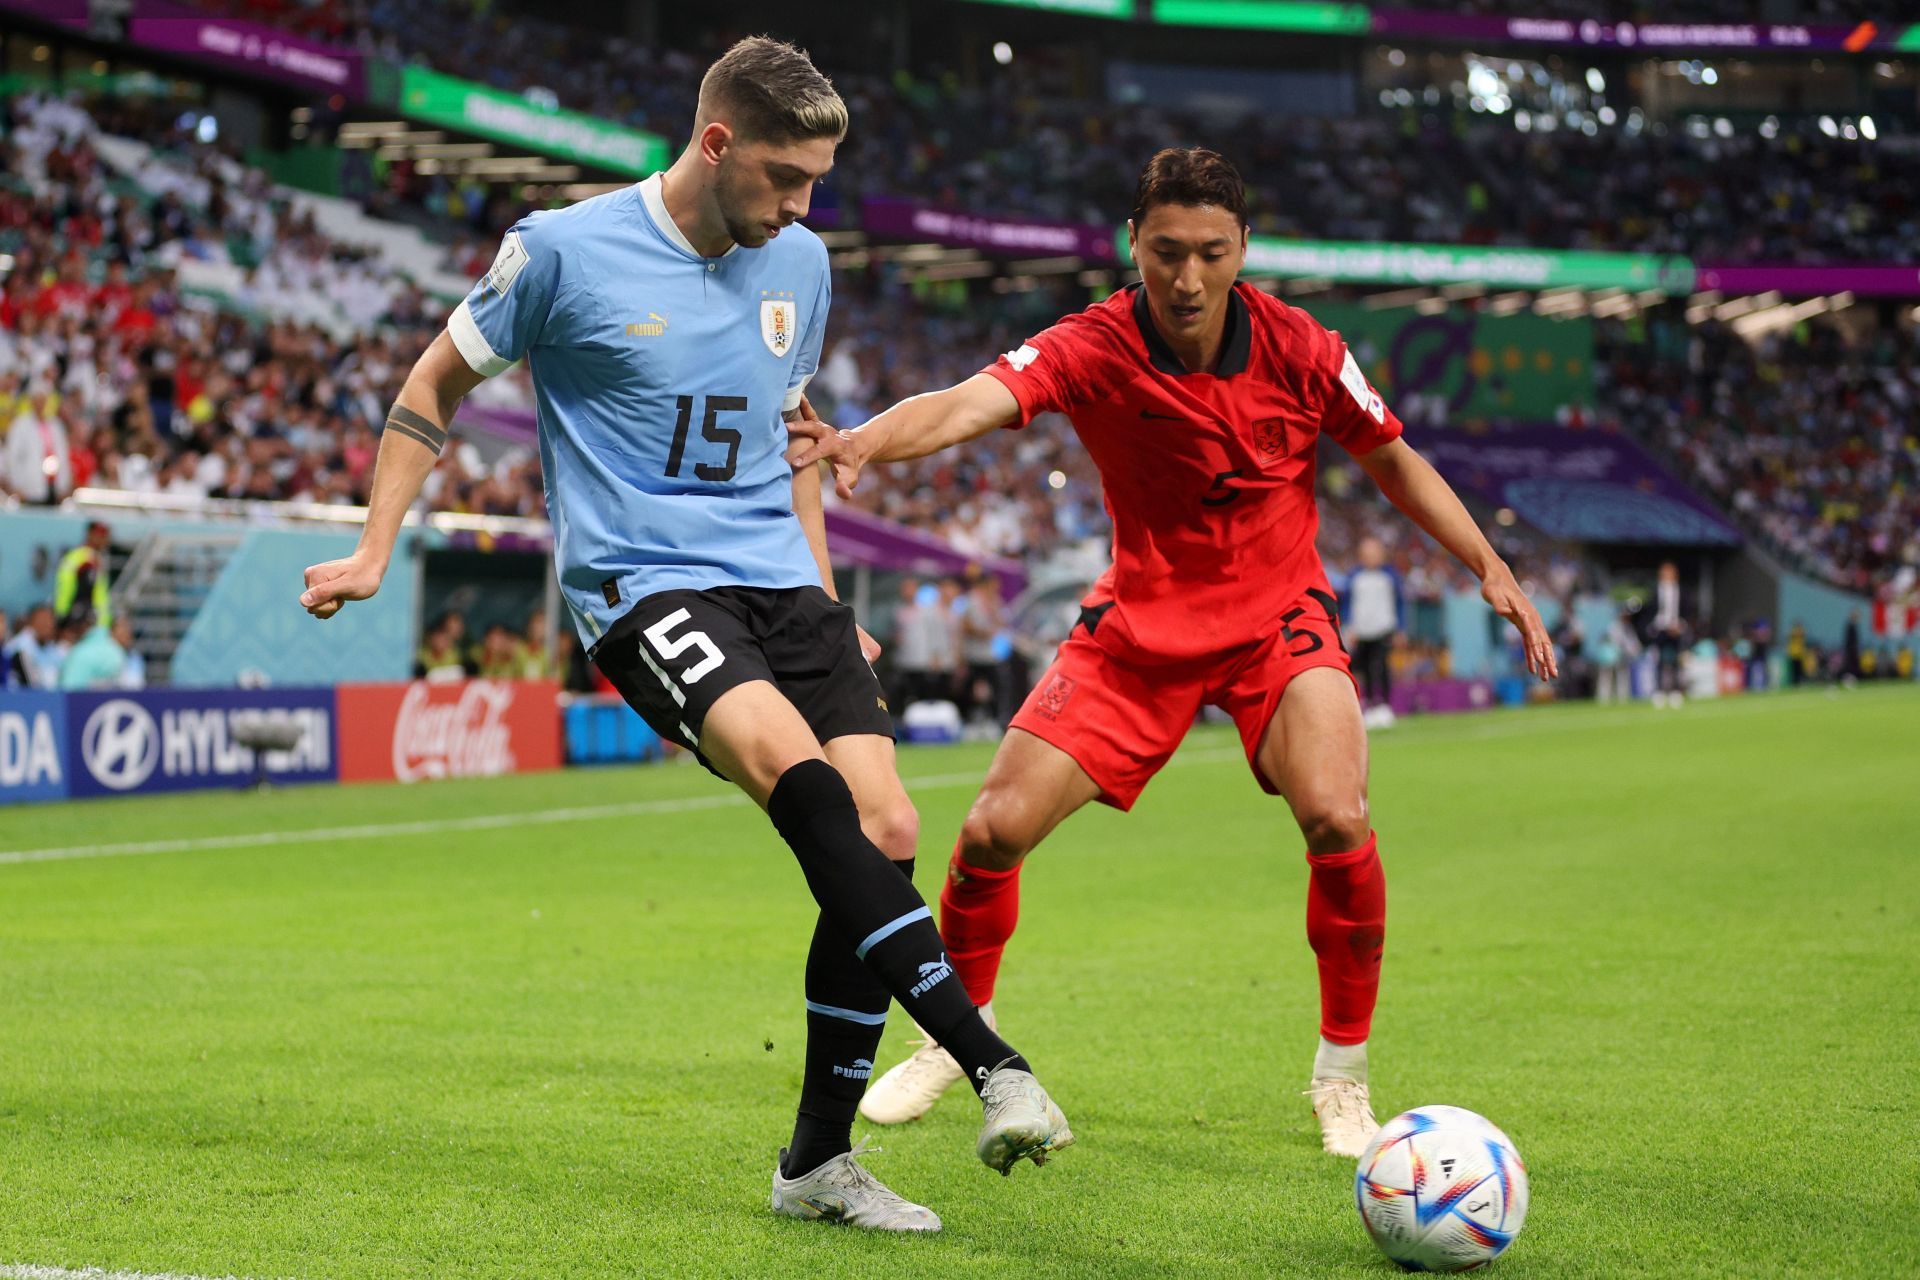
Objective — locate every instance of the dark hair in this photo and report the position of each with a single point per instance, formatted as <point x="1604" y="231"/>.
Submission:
<point x="1193" y="176"/>
<point x="771" y="92"/>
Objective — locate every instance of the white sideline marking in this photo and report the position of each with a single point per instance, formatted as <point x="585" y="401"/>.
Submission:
<point x="483" y="822"/>
<point x="21" y="1271"/>
<point x="1637" y="714"/>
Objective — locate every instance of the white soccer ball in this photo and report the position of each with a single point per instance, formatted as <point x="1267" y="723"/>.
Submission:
<point x="1441" y="1189"/>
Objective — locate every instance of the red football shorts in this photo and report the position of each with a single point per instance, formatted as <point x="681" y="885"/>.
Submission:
<point x="1121" y="721"/>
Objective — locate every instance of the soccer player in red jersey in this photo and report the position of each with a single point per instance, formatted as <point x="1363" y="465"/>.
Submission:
<point x="1201" y="400"/>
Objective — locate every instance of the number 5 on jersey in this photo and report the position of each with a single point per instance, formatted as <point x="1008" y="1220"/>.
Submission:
<point x="669" y="647"/>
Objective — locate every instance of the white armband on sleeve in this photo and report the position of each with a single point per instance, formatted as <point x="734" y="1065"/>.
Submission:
<point x="792" y="401"/>
<point x="473" y="345"/>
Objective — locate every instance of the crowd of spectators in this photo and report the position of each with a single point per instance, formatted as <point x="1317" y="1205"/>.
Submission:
<point x="80" y="650"/>
<point x="1020" y="144"/>
<point x="1645" y="11"/>
<point x="111" y="376"/>
<point x="1807" y="438"/>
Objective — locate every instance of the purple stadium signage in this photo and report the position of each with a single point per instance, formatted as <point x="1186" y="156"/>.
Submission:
<point x="1585" y="486"/>
<point x="1007" y="237"/>
<point x="1879" y="280"/>
<point x="257" y="50"/>
<point x="65" y="13"/>
<point x="1672" y="36"/>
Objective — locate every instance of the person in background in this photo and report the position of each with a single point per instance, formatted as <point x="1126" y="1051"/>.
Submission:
<point x="38" y="467"/>
<point x="1759" y="650"/>
<point x="80" y="584"/>
<point x="536" y="654"/>
<point x="927" y="636"/>
<point x="97" y="660"/>
<point x="1371" y="612"/>
<point x="570" y="660"/>
<point x="133" y="675"/>
<point x="1851" y="665"/>
<point x="500" y="656"/>
<point x="439" y="657"/>
<point x="30" y="659"/>
<point x="67" y="632"/>
<point x="1577" y="676"/>
<point x="1797" y="666"/>
<point x="1668" y="631"/>
<point x="983" y="624"/>
<point x="1614" y="659"/>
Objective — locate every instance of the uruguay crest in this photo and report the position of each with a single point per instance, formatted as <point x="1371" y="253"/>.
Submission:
<point x="779" y="320"/>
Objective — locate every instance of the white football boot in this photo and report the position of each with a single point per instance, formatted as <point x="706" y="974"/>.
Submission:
<point x="1020" y="1122"/>
<point x="1345" y="1113"/>
<point x="842" y="1191"/>
<point x="909" y="1089"/>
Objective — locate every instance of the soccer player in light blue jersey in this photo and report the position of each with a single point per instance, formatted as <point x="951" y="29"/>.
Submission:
<point x="670" y="329"/>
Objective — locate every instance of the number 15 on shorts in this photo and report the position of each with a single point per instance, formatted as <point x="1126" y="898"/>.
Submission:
<point x="661" y="639"/>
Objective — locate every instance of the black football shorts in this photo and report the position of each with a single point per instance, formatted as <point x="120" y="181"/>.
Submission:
<point x="675" y="653"/>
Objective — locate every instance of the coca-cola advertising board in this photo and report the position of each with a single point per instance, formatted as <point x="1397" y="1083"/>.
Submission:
<point x="454" y="729"/>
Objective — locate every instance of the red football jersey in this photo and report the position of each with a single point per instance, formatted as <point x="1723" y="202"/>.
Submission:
<point x="1209" y="476"/>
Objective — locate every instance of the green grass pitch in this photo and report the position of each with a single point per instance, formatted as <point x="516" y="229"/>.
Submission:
<point x="1675" y="955"/>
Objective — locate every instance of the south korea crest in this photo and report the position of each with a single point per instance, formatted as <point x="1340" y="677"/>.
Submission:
<point x="779" y="324"/>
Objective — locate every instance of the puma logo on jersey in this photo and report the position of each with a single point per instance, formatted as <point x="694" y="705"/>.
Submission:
<point x="652" y="327"/>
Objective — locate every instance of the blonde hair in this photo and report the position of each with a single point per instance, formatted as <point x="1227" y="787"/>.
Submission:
<point x="770" y="91"/>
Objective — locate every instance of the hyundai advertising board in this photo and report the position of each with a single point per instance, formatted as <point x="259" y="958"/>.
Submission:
<point x="184" y="739"/>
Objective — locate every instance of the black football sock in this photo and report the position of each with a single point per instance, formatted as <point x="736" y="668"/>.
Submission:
<point x="846" y="1014"/>
<point x="866" y="899"/>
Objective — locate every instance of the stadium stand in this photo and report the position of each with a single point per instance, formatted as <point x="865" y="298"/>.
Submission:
<point x="186" y="328"/>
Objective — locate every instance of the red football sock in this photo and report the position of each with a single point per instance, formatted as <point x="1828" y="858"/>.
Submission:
<point x="978" y="909"/>
<point x="1346" y="924"/>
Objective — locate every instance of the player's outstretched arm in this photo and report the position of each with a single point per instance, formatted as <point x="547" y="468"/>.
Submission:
<point x="1411" y="484"/>
<point x="918" y="426"/>
<point x="416" y="431"/>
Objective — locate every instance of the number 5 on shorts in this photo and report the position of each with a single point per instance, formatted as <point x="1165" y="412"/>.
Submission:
<point x="670" y="648"/>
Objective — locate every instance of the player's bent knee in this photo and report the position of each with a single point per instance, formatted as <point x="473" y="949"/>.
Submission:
<point x="992" y="840"/>
<point x="1333" y="825"/>
<point x="895" y="829"/>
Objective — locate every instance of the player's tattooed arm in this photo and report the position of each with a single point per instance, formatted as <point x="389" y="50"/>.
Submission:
<point x="418" y="427"/>
<point x="409" y="447"/>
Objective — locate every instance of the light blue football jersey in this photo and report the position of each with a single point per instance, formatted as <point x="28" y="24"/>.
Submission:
<point x="659" y="378"/>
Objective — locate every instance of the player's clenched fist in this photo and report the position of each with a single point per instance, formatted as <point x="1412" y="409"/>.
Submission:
<point x="332" y="584"/>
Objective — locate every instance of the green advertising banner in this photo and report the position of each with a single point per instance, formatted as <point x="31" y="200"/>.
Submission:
<point x="549" y="131"/>
<point x="1267" y="15"/>
<point x="1362" y="262"/>
<point x="1085" y="8"/>
<point x="1521" y="367"/>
